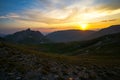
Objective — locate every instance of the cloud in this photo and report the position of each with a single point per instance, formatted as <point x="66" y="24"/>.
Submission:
<point x="108" y="4"/>
<point x="66" y="11"/>
<point x="9" y="16"/>
<point x="109" y="20"/>
<point x="38" y="16"/>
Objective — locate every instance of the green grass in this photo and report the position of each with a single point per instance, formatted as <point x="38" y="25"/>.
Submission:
<point x="94" y="56"/>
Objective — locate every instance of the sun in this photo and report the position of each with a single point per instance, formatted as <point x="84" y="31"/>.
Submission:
<point x="83" y="26"/>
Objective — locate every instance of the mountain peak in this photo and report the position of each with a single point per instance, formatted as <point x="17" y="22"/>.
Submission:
<point x="28" y="29"/>
<point x="27" y="36"/>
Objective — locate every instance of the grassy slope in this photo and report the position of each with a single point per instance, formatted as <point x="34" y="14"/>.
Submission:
<point x="19" y="61"/>
<point x="106" y="45"/>
<point x="81" y="59"/>
<point x="105" y="54"/>
<point x="109" y="44"/>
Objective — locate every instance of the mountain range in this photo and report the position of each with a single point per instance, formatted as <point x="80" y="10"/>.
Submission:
<point x="78" y="35"/>
<point x="35" y="37"/>
<point x="2" y="35"/>
<point x="69" y="35"/>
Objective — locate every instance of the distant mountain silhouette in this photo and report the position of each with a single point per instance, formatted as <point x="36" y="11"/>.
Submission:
<point x="35" y="37"/>
<point x="27" y="37"/>
<point x="105" y="45"/>
<point x="2" y="35"/>
<point x="79" y="35"/>
<point x="109" y="30"/>
<point x="68" y="35"/>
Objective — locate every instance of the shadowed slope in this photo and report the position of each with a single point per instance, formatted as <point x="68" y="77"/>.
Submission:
<point x="68" y="35"/>
<point x="27" y="37"/>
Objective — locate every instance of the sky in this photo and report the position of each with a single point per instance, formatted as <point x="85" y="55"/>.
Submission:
<point x="53" y="15"/>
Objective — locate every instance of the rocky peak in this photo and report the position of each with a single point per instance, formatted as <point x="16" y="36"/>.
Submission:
<point x="28" y="29"/>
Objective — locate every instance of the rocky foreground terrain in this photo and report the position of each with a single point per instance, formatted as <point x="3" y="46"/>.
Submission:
<point x="20" y="65"/>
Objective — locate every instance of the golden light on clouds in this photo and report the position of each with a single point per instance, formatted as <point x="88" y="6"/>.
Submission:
<point x="50" y="15"/>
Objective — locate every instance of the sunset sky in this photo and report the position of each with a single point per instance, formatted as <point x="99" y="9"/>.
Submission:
<point x="52" y="15"/>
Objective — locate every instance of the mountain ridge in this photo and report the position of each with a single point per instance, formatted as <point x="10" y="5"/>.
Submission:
<point x="68" y="35"/>
<point x="80" y="35"/>
<point x="26" y="36"/>
<point x="35" y="37"/>
<point x="105" y="31"/>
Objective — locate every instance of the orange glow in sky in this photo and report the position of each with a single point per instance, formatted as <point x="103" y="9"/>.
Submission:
<point x="53" y="15"/>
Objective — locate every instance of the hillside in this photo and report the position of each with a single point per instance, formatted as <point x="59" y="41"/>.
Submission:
<point x="109" y="30"/>
<point x="0" y="38"/>
<point x="20" y="63"/>
<point x="26" y="37"/>
<point x="108" y="44"/>
<point x="68" y="35"/>
<point x="105" y="45"/>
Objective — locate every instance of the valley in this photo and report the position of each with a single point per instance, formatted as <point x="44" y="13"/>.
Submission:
<point x="95" y="59"/>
